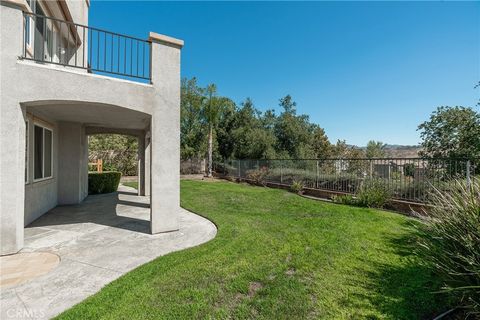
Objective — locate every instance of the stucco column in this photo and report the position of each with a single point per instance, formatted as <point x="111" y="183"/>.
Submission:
<point x="165" y="133"/>
<point x="12" y="136"/>
<point x="141" y="165"/>
<point x="72" y="163"/>
<point x="147" y="164"/>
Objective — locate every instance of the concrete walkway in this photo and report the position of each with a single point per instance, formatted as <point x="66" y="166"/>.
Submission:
<point x="97" y="242"/>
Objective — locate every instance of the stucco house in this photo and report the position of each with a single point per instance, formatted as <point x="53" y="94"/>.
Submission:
<point x="62" y="80"/>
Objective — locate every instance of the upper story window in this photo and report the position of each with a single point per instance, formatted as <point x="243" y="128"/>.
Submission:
<point x="42" y="153"/>
<point x="29" y="24"/>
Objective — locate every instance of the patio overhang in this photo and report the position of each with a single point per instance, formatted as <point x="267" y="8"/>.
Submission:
<point x="90" y="114"/>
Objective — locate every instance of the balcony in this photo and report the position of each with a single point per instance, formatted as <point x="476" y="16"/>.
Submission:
<point x="54" y="41"/>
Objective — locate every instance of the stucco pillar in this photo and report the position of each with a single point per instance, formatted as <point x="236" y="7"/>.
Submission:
<point x="12" y="135"/>
<point x="72" y="163"/>
<point x="141" y="165"/>
<point x="165" y="133"/>
<point x="147" y="164"/>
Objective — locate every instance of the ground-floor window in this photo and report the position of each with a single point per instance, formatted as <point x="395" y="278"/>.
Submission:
<point x="43" y="152"/>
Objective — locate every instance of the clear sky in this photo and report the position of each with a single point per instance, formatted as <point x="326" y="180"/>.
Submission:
<point x="361" y="70"/>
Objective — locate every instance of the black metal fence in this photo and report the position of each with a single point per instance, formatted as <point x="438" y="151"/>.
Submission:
<point x="407" y="178"/>
<point x="55" y="41"/>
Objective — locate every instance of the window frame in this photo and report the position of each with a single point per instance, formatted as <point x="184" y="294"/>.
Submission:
<point x="44" y="127"/>
<point x="30" y="23"/>
<point x="27" y="151"/>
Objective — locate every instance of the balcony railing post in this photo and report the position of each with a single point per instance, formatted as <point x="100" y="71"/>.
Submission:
<point x="150" y="63"/>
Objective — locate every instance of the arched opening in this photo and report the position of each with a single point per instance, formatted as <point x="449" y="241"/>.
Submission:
<point x="56" y="170"/>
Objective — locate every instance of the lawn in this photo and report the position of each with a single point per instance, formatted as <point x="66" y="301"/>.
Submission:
<point x="277" y="256"/>
<point x="132" y="184"/>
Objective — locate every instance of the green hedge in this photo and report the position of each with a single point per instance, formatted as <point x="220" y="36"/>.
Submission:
<point x="104" y="182"/>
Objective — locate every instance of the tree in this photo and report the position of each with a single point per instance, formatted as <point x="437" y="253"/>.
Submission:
<point x="192" y="142"/>
<point x="375" y="149"/>
<point x="451" y="132"/>
<point x="293" y="133"/>
<point x="320" y="145"/>
<point x="288" y="105"/>
<point x="118" y="152"/>
<point x="211" y="111"/>
<point x="252" y="139"/>
<point x="244" y="132"/>
<point x="225" y="126"/>
<point x="475" y="87"/>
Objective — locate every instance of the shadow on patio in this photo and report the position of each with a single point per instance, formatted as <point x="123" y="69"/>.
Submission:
<point x="123" y="210"/>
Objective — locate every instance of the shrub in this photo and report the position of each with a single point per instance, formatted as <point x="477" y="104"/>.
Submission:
<point x="345" y="199"/>
<point x="103" y="182"/>
<point x="296" y="187"/>
<point x="450" y="241"/>
<point x="258" y="175"/>
<point x="409" y="170"/>
<point x="373" y="193"/>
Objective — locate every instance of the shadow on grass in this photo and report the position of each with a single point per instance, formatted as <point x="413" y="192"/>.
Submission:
<point x="404" y="289"/>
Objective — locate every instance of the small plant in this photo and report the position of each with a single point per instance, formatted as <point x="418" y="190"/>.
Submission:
<point x="258" y="175"/>
<point x="103" y="182"/>
<point x="450" y="242"/>
<point x="297" y="187"/>
<point x="347" y="199"/>
<point x="373" y="193"/>
<point x="409" y="170"/>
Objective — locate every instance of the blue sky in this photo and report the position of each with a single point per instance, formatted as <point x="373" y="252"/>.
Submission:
<point x="361" y="70"/>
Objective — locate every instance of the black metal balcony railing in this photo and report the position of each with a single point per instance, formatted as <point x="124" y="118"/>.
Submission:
<point x="51" y="40"/>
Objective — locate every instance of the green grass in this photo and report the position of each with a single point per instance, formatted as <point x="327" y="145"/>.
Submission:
<point x="132" y="184"/>
<point x="277" y="256"/>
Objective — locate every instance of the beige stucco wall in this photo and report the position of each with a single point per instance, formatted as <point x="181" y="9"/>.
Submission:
<point x="40" y="196"/>
<point x="79" y="11"/>
<point x="27" y="86"/>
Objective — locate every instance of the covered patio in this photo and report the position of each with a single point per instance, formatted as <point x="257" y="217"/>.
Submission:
<point x="96" y="241"/>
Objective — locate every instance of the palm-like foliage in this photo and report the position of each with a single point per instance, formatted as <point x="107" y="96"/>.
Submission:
<point x="211" y="111"/>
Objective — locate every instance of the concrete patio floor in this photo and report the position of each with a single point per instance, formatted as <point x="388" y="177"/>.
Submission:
<point x="97" y="241"/>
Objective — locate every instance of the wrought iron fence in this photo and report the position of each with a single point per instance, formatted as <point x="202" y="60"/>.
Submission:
<point x="55" y="41"/>
<point x="407" y="178"/>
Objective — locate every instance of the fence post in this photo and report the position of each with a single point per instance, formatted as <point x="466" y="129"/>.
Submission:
<point x="224" y="167"/>
<point x="371" y="168"/>
<point x="316" y="175"/>
<point x="239" y="168"/>
<point x="281" y="171"/>
<point x="468" y="173"/>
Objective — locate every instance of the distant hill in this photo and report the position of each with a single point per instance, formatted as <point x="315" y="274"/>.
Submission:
<point x="399" y="151"/>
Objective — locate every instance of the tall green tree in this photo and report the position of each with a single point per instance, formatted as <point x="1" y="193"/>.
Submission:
<point x="476" y="87"/>
<point x="253" y="140"/>
<point x="293" y="133"/>
<point x="211" y="112"/>
<point x="452" y="132"/>
<point x="375" y="149"/>
<point x="321" y="147"/>
<point x="192" y="142"/>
